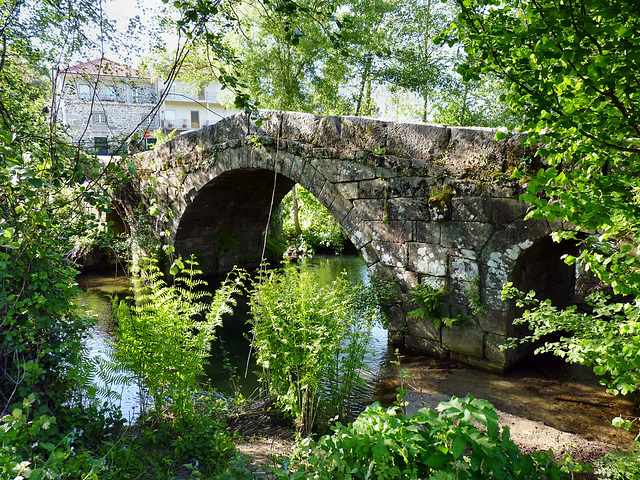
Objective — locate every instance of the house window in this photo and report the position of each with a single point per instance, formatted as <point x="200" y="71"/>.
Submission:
<point x="100" y="118"/>
<point x="170" y="116"/>
<point x="108" y="93"/>
<point x="201" y="94"/>
<point x="102" y="145"/>
<point x="195" y="119"/>
<point x="84" y="91"/>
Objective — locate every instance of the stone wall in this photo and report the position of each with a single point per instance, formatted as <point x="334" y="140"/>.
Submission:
<point x="122" y="119"/>
<point x="425" y="204"/>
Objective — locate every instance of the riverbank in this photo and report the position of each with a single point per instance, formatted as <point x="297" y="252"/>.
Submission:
<point x="550" y="406"/>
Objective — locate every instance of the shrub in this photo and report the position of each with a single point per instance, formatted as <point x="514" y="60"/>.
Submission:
<point x="383" y="444"/>
<point x="165" y="335"/>
<point x="32" y="447"/>
<point x="310" y="342"/>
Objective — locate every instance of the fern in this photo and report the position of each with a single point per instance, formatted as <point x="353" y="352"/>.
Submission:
<point x="429" y="302"/>
<point x="165" y="331"/>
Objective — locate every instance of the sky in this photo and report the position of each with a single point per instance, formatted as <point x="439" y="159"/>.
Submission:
<point x="144" y="15"/>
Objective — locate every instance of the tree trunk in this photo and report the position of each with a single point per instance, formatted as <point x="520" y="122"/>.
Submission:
<point x="296" y="221"/>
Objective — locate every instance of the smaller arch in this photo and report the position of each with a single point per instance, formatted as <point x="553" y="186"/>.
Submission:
<point x="542" y="268"/>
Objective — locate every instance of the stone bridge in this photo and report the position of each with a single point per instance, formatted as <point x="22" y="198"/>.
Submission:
<point x="425" y="204"/>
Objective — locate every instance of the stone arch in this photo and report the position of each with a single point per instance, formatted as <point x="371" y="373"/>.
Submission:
<point x="524" y="253"/>
<point x="222" y="217"/>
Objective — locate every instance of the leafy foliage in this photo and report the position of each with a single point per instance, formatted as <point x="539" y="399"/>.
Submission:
<point x="318" y="227"/>
<point x="40" y="346"/>
<point x="33" y="448"/>
<point x="619" y="465"/>
<point x="607" y="340"/>
<point x="310" y="342"/>
<point x="384" y="444"/>
<point x="163" y="338"/>
<point x="196" y="442"/>
<point x="573" y="75"/>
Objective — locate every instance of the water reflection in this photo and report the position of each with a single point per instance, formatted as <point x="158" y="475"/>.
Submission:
<point x="96" y="300"/>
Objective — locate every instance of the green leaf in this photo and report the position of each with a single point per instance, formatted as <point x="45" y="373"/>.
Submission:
<point x="458" y="446"/>
<point x="36" y="182"/>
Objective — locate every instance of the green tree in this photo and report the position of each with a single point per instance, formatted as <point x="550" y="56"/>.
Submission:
<point x="414" y="62"/>
<point x="304" y="218"/>
<point x="574" y="77"/>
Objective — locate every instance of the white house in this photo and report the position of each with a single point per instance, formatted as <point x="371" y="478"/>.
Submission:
<point x="102" y="102"/>
<point x="186" y="107"/>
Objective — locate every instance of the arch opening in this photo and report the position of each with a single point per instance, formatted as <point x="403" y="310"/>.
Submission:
<point x="541" y="268"/>
<point x="226" y="222"/>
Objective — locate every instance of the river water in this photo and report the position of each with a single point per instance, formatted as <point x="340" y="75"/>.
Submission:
<point x="568" y="398"/>
<point x="227" y="370"/>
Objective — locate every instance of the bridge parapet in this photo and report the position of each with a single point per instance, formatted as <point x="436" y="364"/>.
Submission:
<point x="425" y="204"/>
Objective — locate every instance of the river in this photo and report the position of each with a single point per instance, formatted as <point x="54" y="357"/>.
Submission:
<point x="545" y="389"/>
<point x="227" y="370"/>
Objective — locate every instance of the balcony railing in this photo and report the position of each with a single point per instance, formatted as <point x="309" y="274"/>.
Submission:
<point x="185" y="97"/>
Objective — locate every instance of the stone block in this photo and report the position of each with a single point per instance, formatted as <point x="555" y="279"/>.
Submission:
<point x="428" y="259"/>
<point x="487" y="209"/>
<point x="361" y="236"/>
<point x="298" y="166"/>
<point x="498" y="269"/>
<point x="424" y="346"/>
<point x="417" y="141"/>
<point x="407" y="278"/>
<point x="467" y="339"/>
<point x="348" y="190"/>
<point x="492" y="298"/>
<point x="327" y="194"/>
<point x="396" y="338"/>
<point x="494" y="322"/>
<point x="351" y="222"/>
<point x="284" y="164"/>
<point x="338" y="171"/>
<point x="434" y="282"/>
<point x="340" y="208"/>
<point x="407" y="209"/>
<point x="419" y="327"/>
<point x="391" y="254"/>
<point x="396" y="318"/>
<point x="380" y="270"/>
<point x="492" y="352"/>
<point x="467" y="235"/>
<point x="370" y="209"/>
<point x="427" y="232"/>
<point x="369" y="254"/>
<point x="396" y="232"/>
<point x="363" y="133"/>
<point x="463" y="269"/>
<point x="410" y="187"/>
<point x="376" y="189"/>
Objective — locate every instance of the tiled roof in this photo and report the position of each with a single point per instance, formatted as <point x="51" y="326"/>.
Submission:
<point x="105" y="67"/>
